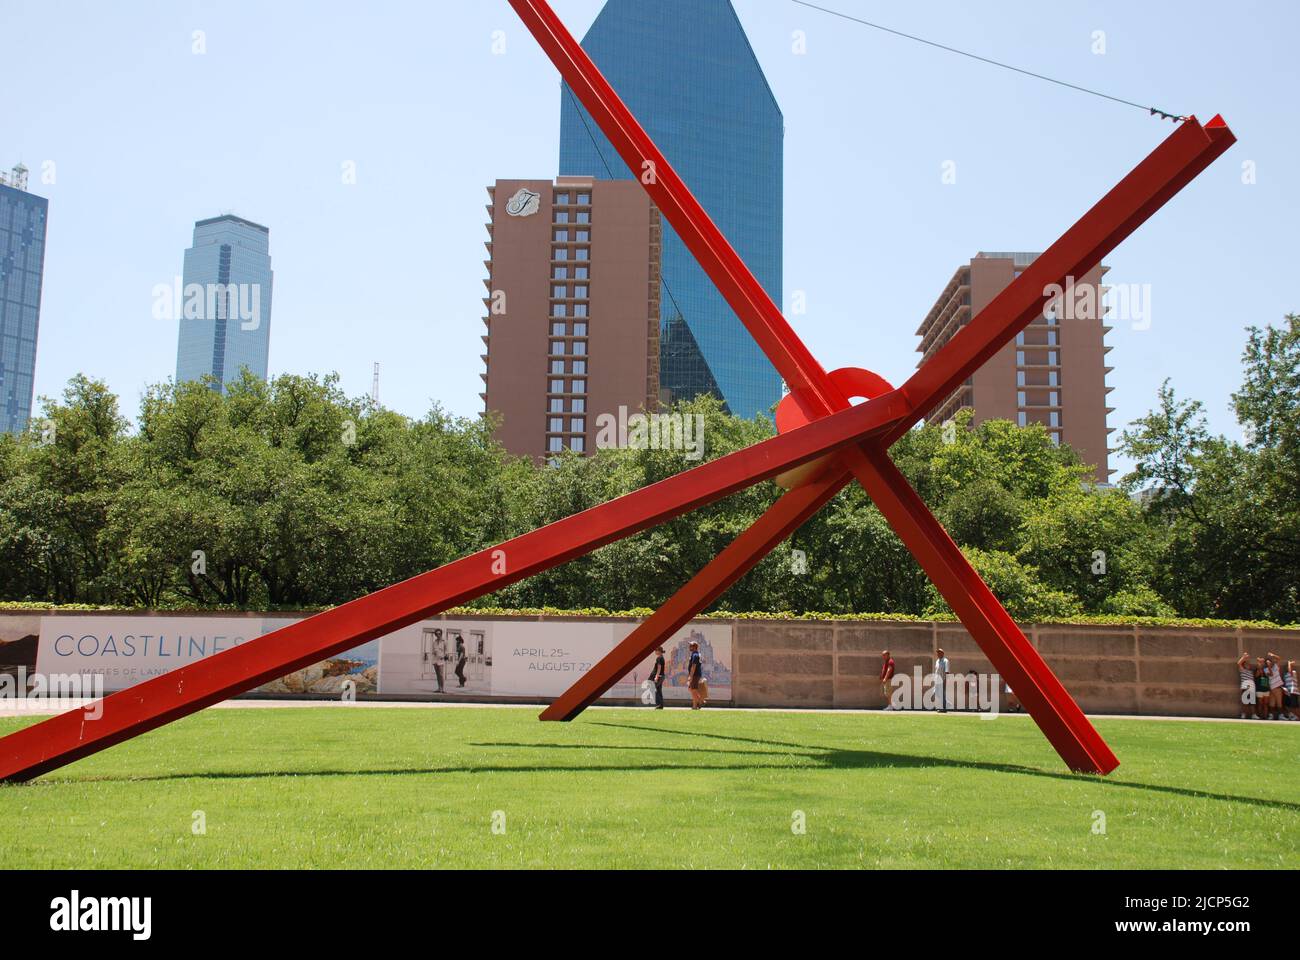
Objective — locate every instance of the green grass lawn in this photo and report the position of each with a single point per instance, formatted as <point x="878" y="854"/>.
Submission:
<point x="341" y="787"/>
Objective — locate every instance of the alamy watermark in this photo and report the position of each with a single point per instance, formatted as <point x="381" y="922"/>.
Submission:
<point x="41" y="692"/>
<point x="946" y="691"/>
<point x="209" y="301"/>
<point x="1121" y="302"/>
<point x="651" y="431"/>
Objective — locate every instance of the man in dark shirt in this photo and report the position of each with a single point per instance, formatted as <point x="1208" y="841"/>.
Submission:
<point x="886" y="676"/>
<point x="657" y="677"/>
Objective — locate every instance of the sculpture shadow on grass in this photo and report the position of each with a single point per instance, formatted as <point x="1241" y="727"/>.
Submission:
<point x="813" y="757"/>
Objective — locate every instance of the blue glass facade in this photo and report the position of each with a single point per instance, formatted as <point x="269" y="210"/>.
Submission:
<point x="686" y="70"/>
<point x="225" y="321"/>
<point x="23" y="218"/>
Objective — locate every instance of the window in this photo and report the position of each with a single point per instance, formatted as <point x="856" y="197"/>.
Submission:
<point x="579" y="348"/>
<point x="1020" y="339"/>
<point x="576" y="444"/>
<point x="559" y="329"/>
<point x="1051" y="379"/>
<point x="1051" y="358"/>
<point x="579" y="273"/>
<point x="1020" y="378"/>
<point x="557" y="366"/>
<point x="556" y="405"/>
<point x="560" y="253"/>
<point x="579" y="386"/>
<point x="582" y="236"/>
<point x="579" y="366"/>
<point x="554" y="445"/>
<point x="557" y="386"/>
<point x="584" y="198"/>
<point x="556" y="424"/>
<point x="557" y="348"/>
<point x="1020" y="398"/>
<point x="559" y="310"/>
<point x="1056" y="438"/>
<point x="1051" y="338"/>
<point x="579" y="309"/>
<point x="561" y="236"/>
<point x="579" y="329"/>
<point x="1020" y="358"/>
<point x="581" y="253"/>
<point x="580" y="291"/>
<point x="559" y="290"/>
<point x="578" y="405"/>
<point x="560" y="273"/>
<point x="578" y="424"/>
<point x="561" y="198"/>
<point x="1054" y="419"/>
<point x="584" y="216"/>
<point x="1054" y="399"/>
<point x="561" y="216"/>
<point x="1022" y="418"/>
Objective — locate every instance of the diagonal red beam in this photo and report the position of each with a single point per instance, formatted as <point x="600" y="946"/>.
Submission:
<point x="776" y="524"/>
<point x="69" y="736"/>
<point x="1162" y="174"/>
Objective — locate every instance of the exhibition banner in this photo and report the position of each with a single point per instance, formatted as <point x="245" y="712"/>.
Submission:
<point x="453" y="657"/>
<point x="539" y="658"/>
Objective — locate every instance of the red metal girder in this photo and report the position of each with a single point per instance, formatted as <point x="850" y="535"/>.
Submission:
<point x="69" y="736"/>
<point x="1165" y="171"/>
<point x="739" y="557"/>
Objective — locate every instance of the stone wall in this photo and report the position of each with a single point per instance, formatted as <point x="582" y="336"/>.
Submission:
<point x="1165" y="671"/>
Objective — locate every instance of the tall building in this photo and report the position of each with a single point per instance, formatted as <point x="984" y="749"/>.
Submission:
<point x="1054" y="373"/>
<point x="688" y="73"/>
<point x="225" y="321"/>
<point x="572" y="310"/>
<point x="23" y="219"/>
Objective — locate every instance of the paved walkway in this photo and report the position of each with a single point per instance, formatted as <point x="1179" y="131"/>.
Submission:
<point x="36" y="708"/>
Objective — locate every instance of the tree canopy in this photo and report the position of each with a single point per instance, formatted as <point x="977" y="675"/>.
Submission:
<point x="289" y="494"/>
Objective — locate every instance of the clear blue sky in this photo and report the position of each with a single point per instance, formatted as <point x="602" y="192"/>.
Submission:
<point x="146" y="137"/>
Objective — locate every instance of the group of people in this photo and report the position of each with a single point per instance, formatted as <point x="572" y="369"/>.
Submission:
<point x="942" y="674"/>
<point x="696" y="682"/>
<point x="440" y="658"/>
<point x="1268" y="688"/>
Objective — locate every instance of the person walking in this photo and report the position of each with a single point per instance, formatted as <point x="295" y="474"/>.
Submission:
<point x="941" y="679"/>
<point x="439" y="658"/>
<point x="695" y="676"/>
<point x="657" y="677"/>
<point x="886" y="676"/>
<point x="462" y="656"/>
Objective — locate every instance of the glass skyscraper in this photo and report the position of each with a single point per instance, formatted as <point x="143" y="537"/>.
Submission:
<point x="22" y="261"/>
<point x="225" y="319"/>
<point x="688" y="73"/>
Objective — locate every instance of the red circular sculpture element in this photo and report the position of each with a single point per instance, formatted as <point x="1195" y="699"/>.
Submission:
<point x="855" y="383"/>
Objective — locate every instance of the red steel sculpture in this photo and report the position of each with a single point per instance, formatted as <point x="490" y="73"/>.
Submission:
<point x="823" y="442"/>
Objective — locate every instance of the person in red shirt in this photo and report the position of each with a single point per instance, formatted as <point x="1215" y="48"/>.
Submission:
<point x="886" y="675"/>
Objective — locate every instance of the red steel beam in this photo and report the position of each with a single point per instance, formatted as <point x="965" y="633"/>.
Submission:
<point x="779" y="521"/>
<point x="128" y="713"/>
<point x="1173" y="164"/>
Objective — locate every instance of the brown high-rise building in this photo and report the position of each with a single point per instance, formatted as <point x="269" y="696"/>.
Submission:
<point x="1053" y="374"/>
<point x="572" y="309"/>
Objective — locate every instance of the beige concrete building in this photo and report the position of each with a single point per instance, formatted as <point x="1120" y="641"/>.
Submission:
<point x="1053" y="374"/>
<point x="572" y="309"/>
